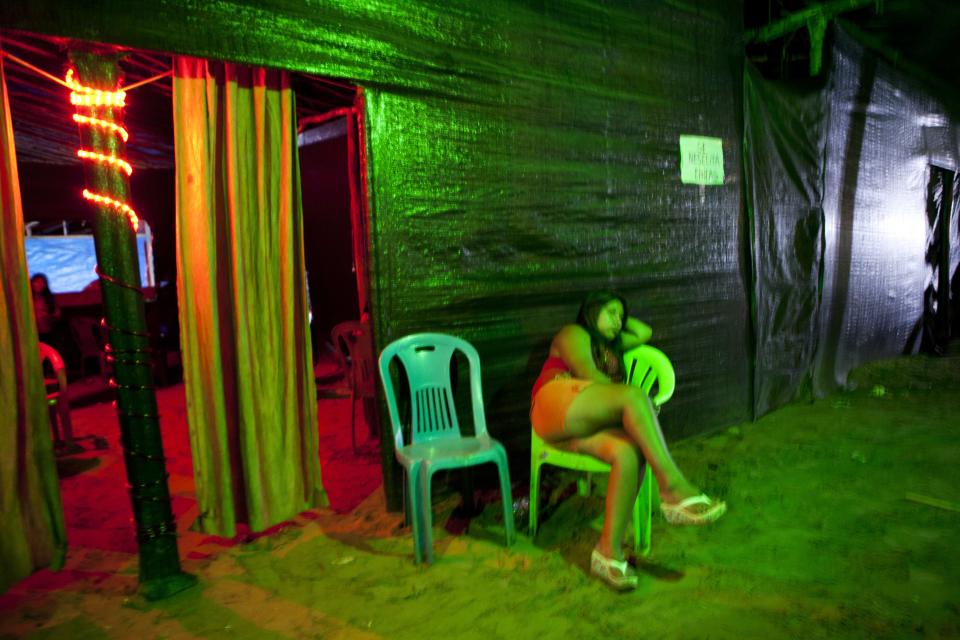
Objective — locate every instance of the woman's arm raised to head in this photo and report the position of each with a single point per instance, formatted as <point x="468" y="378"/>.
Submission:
<point x="634" y="333"/>
<point x="573" y="343"/>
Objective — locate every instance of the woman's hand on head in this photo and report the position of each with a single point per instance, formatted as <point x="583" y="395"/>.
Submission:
<point x="573" y="344"/>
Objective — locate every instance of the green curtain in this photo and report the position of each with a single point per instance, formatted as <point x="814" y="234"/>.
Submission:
<point x="32" y="533"/>
<point x="251" y="399"/>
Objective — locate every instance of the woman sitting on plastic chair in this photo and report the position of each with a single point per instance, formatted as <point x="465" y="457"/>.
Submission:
<point x="580" y="404"/>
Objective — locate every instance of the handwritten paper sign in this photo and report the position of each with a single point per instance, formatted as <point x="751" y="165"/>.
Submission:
<point x="701" y="160"/>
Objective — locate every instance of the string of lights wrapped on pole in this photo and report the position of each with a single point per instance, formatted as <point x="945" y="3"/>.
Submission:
<point x="106" y="170"/>
<point x="94" y="91"/>
<point x="82" y="96"/>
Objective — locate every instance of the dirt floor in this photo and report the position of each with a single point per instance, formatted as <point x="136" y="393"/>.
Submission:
<point x="843" y="522"/>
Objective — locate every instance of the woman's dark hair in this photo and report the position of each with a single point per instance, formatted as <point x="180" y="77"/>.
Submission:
<point x="599" y="346"/>
<point x="46" y="294"/>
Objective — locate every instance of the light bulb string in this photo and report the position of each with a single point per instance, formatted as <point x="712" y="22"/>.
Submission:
<point x="83" y="96"/>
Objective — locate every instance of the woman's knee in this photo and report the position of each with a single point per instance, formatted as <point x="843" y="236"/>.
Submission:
<point x="638" y="401"/>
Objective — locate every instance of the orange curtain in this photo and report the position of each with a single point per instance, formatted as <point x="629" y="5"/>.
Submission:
<point x="32" y="533"/>
<point x="251" y="399"/>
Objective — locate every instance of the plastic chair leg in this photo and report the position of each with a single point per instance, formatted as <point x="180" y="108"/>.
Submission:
<point x="584" y="484"/>
<point x="353" y="418"/>
<point x="641" y="512"/>
<point x="413" y="509"/>
<point x="66" y="425"/>
<point x="426" y="513"/>
<point x="506" y="496"/>
<point x="370" y="417"/>
<point x="644" y="509"/>
<point x="534" y="496"/>
<point x="55" y="427"/>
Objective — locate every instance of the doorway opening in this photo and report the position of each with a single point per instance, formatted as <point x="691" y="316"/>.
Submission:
<point x="331" y="142"/>
<point x="940" y="299"/>
<point x="92" y="478"/>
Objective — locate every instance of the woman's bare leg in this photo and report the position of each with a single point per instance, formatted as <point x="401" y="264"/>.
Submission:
<point x="602" y="406"/>
<point x="616" y="448"/>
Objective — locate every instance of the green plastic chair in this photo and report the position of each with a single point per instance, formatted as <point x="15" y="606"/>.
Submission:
<point x="435" y="440"/>
<point x="645" y="366"/>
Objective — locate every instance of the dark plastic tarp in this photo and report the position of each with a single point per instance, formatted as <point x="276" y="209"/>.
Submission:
<point x="783" y="159"/>
<point x="839" y="179"/>
<point x="885" y="133"/>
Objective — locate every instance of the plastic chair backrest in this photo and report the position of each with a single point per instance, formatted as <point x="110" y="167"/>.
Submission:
<point x="353" y="341"/>
<point x="426" y="360"/>
<point x="49" y="355"/>
<point x="646" y="366"/>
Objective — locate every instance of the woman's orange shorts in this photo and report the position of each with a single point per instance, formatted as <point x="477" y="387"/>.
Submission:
<point x="548" y="414"/>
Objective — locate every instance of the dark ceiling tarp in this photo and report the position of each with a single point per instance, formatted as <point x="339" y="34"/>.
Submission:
<point x="838" y="180"/>
<point x="521" y="155"/>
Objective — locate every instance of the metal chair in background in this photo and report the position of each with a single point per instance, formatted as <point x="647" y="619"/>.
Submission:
<point x="86" y="334"/>
<point x="353" y="342"/>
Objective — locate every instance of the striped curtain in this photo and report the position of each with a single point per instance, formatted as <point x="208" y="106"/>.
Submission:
<point x="32" y="533"/>
<point x="251" y="399"/>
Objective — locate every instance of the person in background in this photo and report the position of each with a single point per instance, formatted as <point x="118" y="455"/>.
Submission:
<point x="46" y="311"/>
<point x="580" y="403"/>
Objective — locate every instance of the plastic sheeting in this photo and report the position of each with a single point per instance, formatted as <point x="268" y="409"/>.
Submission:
<point x="521" y="154"/>
<point x="785" y="139"/>
<point x="885" y="132"/>
<point x="846" y="166"/>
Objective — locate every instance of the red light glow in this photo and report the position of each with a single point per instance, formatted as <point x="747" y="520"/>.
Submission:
<point x="103" y="124"/>
<point x="112" y="160"/>
<point x="84" y="96"/>
<point x="116" y="204"/>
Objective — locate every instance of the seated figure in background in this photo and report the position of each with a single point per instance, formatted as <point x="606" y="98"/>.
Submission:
<point x="46" y="311"/>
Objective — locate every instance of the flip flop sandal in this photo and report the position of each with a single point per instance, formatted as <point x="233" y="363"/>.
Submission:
<point x="681" y="513"/>
<point x="616" y="573"/>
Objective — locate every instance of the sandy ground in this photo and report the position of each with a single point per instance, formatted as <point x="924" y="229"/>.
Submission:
<point x="834" y="530"/>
